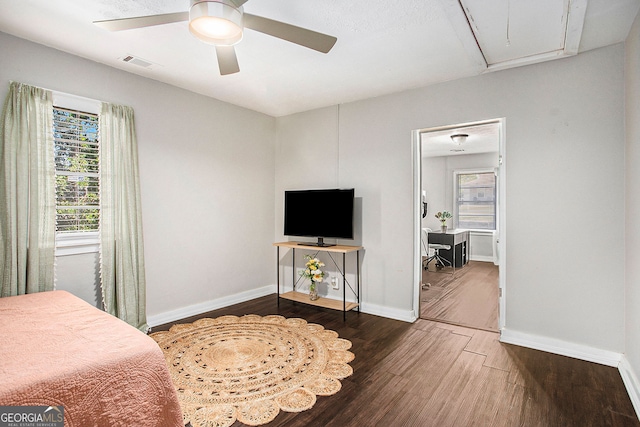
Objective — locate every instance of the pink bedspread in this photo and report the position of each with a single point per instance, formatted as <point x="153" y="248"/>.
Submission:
<point x="56" y="349"/>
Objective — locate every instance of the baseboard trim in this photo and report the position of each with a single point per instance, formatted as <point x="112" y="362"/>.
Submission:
<point x="203" y="307"/>
<point x="631" y="382"/>
<point x="482" y="258"/>
<point x="391" y="313"/>
<point x="564" y="348"/>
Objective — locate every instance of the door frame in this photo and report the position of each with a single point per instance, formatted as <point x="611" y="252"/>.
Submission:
<point x="417" y="212"/>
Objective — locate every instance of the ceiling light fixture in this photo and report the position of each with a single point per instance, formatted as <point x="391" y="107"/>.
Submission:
<point x="217" y="22"/>
<point x="459" y="138"/>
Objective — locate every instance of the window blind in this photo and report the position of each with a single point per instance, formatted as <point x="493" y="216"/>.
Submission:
<point x="476" y="200"/>
<point x="77" y="162"/>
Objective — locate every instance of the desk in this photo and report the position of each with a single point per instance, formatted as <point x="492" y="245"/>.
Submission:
<point x="458" y="255"/>
<point x="323" y="301"/>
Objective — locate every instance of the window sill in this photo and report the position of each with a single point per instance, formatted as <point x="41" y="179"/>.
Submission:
<point x="77" y="243"/>
<point x="482" y="232"/>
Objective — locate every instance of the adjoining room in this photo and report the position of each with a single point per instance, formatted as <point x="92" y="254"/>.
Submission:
<point x="461" y="211"/>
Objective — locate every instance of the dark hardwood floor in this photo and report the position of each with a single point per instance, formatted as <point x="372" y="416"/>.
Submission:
<point x="437" y="374"/>
<point x="467" y="298"/>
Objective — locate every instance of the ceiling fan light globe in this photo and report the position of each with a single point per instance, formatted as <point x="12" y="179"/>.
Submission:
<point x="215" y="22"/>
<point x="211" y="29"/>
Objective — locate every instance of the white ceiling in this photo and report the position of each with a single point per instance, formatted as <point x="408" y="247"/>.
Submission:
<point x="482" y="138"/>
<point x="383" y="46"/>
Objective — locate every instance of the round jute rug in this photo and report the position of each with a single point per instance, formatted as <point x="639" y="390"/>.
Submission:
<point x="250" y="368"/>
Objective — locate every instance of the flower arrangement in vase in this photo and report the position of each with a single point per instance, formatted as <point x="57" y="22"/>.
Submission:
<point x="443" y="217"/>
<point x="314" y="274"/>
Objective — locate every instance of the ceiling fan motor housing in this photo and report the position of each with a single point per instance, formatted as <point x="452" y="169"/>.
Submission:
<point x="217" y="22"/>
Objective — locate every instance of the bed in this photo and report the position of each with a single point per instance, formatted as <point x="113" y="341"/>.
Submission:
<point x="56" y="349"/>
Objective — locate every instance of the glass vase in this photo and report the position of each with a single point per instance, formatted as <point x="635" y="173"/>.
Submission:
<point x="313" y="294"/>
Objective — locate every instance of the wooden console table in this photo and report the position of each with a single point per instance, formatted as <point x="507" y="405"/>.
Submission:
<point x="322" y="301"/>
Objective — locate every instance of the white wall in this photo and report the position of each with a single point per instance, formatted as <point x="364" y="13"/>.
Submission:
<point x="434" y="182"/>
<point x="80" y="275"/>
<point x="208" y="185"/>
<point x="437" y="180"/>
<point x="307" y="157"/>
<point x="632" y="224"/>
<point x="207" y="179"/>
<point x="565" y="180"/>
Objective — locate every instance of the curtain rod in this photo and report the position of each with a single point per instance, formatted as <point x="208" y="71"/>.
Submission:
<point x="83" y="98"/>
<point x="71" y="101"/>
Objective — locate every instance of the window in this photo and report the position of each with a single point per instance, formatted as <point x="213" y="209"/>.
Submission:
<point x="475" y="199"/>
<point x="77" y="166"/>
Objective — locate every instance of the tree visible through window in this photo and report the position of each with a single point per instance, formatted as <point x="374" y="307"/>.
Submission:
<point x="77" y="170"/>
<point x="476" y="200"/>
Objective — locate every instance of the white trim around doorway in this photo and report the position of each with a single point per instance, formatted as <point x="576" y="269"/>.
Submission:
<point x="417" y="209"/>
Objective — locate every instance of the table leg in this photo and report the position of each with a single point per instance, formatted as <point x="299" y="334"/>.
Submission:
<point x="358" y="278"/>
<point x="344" y="288"/>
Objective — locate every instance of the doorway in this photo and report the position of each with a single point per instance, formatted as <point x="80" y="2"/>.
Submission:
<point x="454" y="169"/>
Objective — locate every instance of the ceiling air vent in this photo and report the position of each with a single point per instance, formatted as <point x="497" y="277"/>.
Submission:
<point x="137" y="61"/>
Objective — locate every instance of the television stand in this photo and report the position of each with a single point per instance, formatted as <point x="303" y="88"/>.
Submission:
<point x="325" y="302"/>
<point x="320" y="243"/>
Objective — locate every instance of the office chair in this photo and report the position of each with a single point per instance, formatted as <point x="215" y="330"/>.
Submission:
<point x="424" y="240"/>
<point x="440" y="261"/>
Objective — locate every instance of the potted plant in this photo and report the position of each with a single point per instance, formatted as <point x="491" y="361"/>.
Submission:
<point x="443" y="217"/>
<point x="314" y="274"/>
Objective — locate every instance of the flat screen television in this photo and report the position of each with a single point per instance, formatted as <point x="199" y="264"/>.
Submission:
<point x="326" y="213"/>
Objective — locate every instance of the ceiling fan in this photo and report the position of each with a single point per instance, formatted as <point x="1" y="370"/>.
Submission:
<point x="221" y="23"/>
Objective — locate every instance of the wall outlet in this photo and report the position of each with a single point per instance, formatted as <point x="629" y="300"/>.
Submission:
<point x="334" y="283"/>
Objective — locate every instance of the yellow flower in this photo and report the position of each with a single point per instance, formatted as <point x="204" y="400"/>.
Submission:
<point x="312" y="270"/>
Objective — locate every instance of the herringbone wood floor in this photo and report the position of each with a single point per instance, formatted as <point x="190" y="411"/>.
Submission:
<point x="436" y="374"/>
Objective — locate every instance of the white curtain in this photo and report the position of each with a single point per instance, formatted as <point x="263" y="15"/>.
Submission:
<point x="27" y="192"/>
<point x="122" y="255"/>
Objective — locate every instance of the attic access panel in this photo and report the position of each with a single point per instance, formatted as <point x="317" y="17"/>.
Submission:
<point x="520" y="31"/>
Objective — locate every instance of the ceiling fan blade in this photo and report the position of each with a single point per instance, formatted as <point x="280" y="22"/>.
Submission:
<point x="227" y="60"/>
<point x="307" y="38"/>
<point x="142" y="21"/>
<point x="239" y="3"/>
